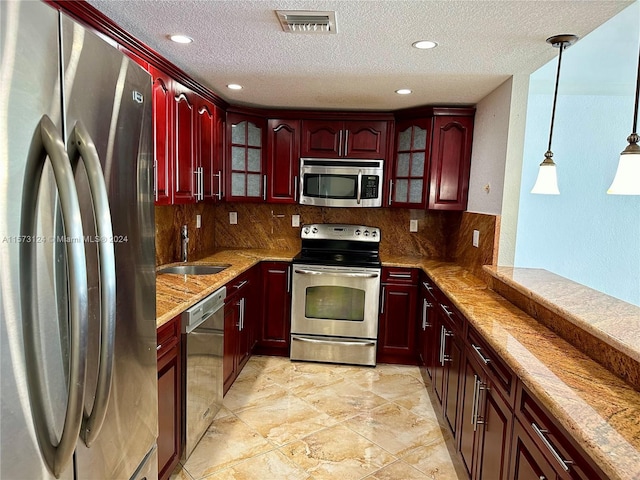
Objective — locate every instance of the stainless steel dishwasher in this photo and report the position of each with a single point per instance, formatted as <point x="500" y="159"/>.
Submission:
<point x="203" y="344"/>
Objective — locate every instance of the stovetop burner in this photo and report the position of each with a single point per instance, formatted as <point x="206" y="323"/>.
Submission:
<point x="337" y="244"/>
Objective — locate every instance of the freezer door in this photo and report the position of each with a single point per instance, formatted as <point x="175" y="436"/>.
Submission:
<point x="110" y="96"/>
<point x="30" y="89"/>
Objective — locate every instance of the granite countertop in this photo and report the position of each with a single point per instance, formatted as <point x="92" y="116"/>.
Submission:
<point x="600" y="411"/>
<point x="175" y="293"/>
<point x="597" y="408"/>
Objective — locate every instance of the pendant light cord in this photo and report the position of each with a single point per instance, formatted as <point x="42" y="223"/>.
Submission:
<point x="635" y="111"/>
<point x="555" y="96"/>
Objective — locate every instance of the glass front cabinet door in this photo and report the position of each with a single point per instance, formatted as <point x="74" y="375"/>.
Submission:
<point x="245" y="164"/>
<point x="409" y="179"/>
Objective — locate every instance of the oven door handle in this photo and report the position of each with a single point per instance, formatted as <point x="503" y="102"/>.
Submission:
<point x="334" y="342"/>
<point x="337" y="274"/>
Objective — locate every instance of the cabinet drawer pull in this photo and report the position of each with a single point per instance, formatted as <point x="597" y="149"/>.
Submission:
<point x="427" y="286"/>
<point x="484" y="359"/>
<point x="447" y="311"/>
<point x="241" y="284"/>
<point x="158" y="347"/>
<point x="399" y="275"/>
<point x="541" y="433"/>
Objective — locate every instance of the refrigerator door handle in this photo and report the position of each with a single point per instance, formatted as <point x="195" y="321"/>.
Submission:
<point x="81" y="146"/>
<point x="46" y="142"/>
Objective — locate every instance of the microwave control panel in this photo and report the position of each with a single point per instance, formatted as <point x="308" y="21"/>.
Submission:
<point x="370" y="186"/>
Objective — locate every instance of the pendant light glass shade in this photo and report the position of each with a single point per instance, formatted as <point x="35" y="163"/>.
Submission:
<point x="547" y="181"/>
<point x="627" y="179"/>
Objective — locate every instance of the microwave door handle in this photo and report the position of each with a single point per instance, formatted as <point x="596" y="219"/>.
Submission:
<point x="81" y="146"/>
<point x="359" y="194"/>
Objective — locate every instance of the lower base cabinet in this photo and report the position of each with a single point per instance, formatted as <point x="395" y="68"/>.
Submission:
<point x="241" y="312"/>
<point x="275" y="328"/>
<point x="501" y="430"/>
<point x="169" y="398"/>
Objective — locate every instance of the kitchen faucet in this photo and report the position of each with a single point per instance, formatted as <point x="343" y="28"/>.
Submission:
<point x="184" y="236"/>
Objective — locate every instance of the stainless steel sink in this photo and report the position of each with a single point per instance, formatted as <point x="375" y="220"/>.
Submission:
<point x="193" y="269"/>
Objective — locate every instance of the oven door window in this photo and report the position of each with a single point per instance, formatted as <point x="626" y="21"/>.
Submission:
<point x="329" y="302"/>
<point x="339" y="186"/>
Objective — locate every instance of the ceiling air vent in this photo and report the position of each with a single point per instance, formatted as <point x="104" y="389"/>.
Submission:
<point x="306" y="21"/>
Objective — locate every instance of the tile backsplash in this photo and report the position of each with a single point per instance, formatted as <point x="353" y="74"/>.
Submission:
<point x="441" y="235"/>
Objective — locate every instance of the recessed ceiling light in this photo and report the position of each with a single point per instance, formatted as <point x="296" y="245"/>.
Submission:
<point x="234" y="86"/>
<point x="424" y="44"/>
<point x="180" y="38"/>
<point x="403" y="91"/>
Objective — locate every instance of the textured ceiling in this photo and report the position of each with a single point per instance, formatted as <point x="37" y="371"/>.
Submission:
<point x="481" y="44"/>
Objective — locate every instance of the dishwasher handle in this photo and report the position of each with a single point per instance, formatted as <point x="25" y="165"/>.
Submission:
<point x="192" y="326"/>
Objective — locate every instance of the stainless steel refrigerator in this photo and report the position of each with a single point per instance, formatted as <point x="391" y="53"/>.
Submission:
<point x="77" y="277"/>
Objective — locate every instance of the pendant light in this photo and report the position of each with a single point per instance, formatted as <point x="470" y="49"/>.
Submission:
<point x="627" y="179"/>
<point x="547" y="181"/>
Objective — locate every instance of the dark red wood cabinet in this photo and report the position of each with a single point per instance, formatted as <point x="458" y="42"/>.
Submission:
<point x="540" y="444"/>
<point x="409" y="180"/>
<point x="241" y="313"/>
<point x="344" y="139"/>
<point x="245" y="172"/>
<point x="184" y="120"/>
<point x="209" y="154"/>
<point x="162" y="93"/>
<point x="450" y="162"/>
<point x="169" y="397"/>
<point x="449" y="357"/>
<point x="396" y="322"/>
<point x="275" y="328"/>
<point x="283" y="160"/>
<point x="426" y="326"/>
<point x="432" y="159"/>
<point x="486" y="418"/>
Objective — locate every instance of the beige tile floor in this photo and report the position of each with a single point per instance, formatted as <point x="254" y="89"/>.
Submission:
<point x="284" y="420"/>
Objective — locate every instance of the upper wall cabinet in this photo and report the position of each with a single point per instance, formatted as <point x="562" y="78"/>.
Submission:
<point x="344" y="139"/>
<point x="410" y="178"/>
<point x="283" y="160"/>
<point x="185" y="169"/>
<point x="450" y="162"/>
<point x="209" y="150"/>
<point x="246" y="176"/>
<point x="162" y="136"/>
<point x="432" y="160"/>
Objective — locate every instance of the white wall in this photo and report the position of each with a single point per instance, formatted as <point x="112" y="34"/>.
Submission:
<point x="496" y="159"/>
<point x="491" y="130"/>
<point x="583" y="233"/>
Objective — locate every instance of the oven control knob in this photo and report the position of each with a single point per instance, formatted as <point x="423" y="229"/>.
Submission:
<point x="314" y="230"/>
<point x="366" y="233"/>
<point x="306" y="230"/>
<point x="357" y="232"/>
<point x="374" y="234"/>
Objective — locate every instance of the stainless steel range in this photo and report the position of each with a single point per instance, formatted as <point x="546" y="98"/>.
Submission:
<point x="335" y="296"/>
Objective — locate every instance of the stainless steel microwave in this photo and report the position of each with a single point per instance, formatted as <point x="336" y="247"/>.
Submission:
<point x="341" y="182"/>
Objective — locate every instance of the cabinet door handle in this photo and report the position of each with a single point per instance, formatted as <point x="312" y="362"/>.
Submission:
<point x="484" y="359"/>
<point x="340" y="144"/>
<point x="295" y="189"/>
<point x="155" y="179"/>
<point x="346" y="143"/>
<point x="564" y="464"/>
<point x="442" y="344"/>
<point x="382" y="300"/>
<point x="264" y="188"/>
<point x="390" y="191"/>
<point x="425" y="306"/>
<point x="289" y="278"/>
